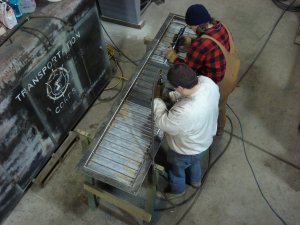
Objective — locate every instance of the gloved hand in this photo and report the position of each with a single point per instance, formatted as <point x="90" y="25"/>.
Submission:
<point x="170" y="98"/>
<point x="174" y="96"/>
<point x="171" y="54"/>
<point x="158" y="90"/>
<point x="185" y="41"/>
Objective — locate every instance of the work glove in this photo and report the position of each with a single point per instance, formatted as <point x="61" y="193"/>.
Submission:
<point x="183" y="41"/>
<point x="171" y="54"/>
<point x="174" y="96"/>
<point x="158" y="90"/>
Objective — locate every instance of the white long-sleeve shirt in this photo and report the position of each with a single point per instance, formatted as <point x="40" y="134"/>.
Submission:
<point x="192" y="122"/>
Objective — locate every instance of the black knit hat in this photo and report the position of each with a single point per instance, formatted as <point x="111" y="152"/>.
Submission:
<point x="182" y="75"/>
<point x="197" y="14"/>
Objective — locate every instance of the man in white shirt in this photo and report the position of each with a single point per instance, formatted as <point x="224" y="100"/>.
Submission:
<point x="189" y="125"/>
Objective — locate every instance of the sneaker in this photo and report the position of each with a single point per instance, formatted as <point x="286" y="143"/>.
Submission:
<point x="196" y="184"/>
<point x="170" y="195"/>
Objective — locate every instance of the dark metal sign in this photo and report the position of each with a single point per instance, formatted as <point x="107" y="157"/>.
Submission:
<point x="47" y="82"/>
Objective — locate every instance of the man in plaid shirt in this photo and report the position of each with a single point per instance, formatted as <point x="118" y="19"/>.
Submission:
<point x="204" y="56"/>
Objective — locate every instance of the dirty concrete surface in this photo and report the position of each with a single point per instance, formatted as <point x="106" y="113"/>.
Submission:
<point x="266" y="103"/>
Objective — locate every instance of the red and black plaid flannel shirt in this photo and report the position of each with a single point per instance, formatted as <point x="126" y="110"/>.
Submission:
<point x="205" y="57"/>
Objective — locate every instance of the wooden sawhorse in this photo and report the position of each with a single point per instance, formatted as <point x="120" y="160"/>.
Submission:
<point x="94" y="192"/>
<point x="145" y="213"/>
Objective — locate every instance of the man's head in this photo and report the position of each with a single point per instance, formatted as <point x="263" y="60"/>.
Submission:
<point x="197" y="14"/>
<point x="182" y="78"/>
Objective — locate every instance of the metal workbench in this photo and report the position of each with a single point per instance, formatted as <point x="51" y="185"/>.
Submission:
<point x="123" y="149"/>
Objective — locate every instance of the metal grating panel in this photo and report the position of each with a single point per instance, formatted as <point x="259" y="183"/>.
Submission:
<point x="122" y="150"/>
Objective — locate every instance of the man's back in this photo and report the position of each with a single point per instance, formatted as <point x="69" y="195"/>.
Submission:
<point x="192" y="122"/>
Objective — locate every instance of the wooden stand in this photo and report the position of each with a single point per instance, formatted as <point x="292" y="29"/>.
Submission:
<point x="145" y="213"/>
<point x="55" y="160"/>
<point x="94" y="192"/>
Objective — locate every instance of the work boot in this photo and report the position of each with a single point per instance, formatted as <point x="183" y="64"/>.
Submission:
<point x="169" y="195"/>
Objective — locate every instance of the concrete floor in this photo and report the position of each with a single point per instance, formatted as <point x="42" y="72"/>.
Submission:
<point x="266" y="102"/>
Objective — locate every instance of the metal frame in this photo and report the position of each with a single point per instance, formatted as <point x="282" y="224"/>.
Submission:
<point x="115" y="110"/>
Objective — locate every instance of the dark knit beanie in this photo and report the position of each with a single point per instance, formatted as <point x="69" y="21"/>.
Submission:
<point x="196" y="15"/>
<point x="182" y="75"/>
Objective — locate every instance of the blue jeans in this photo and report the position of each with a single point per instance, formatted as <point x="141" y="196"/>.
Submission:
<point x="179" y="164"/>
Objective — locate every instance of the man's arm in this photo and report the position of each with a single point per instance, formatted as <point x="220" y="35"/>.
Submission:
<point x="168" y="121"/>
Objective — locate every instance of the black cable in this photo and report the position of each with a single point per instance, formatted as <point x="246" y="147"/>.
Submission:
<point x="24" y="20"/>
<point x="195" y="193"/>
<point x="50" y="17"/>
<point x="38" y="37"/>
<point x="137" y="61"/>
<point x="116" y="47"/>
<point x="144" y="3"/>
<point x="267" y="152"/>
<point x="288" y="7"/>
<point x="251" y="168"/>
<point x="266" y="42"/>
<point x="39" y="31"/>
<point x="11" y="32"/>
<point x="119" y="91"/>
